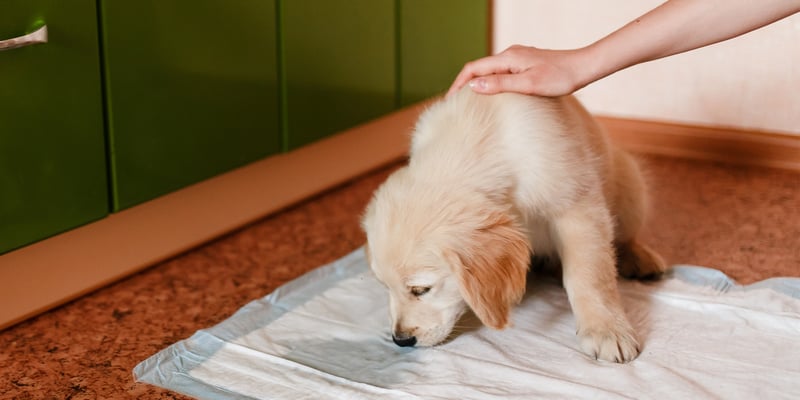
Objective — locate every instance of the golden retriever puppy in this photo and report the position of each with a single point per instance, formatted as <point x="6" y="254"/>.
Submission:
<point x="491" y="181"/>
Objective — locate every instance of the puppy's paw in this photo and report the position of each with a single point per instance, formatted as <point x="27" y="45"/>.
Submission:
<point x="617" y="343"/>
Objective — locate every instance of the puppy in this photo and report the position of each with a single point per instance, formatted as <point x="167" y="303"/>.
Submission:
<point x="492" y="180"/>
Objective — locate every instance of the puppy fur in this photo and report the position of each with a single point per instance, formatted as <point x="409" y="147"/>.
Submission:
<point x="491" y="181"/>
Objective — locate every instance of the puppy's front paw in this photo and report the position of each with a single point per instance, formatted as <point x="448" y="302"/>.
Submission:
<point x="617" y="343"/>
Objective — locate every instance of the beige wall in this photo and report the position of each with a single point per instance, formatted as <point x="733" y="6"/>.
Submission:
<point x="751" y="82"/>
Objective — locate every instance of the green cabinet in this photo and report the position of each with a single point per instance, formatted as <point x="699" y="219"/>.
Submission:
<point x="133" y="99"/>
<point x="345" y="62"/>
<point x="52" y="148"/>
<point x="436" y="38"/>
<point x="191" y="88"/>
<point x="339" y="65"/>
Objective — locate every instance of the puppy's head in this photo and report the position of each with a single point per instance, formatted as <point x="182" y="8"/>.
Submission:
<point x="440" y="250"/>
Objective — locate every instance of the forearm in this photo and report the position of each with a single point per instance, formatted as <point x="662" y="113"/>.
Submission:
<point x="678" y="26"/>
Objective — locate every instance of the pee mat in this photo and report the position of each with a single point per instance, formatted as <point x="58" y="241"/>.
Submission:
<point x="326" y="335"/>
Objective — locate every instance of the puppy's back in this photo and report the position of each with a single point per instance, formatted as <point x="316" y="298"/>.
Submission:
<point x="540" y="148"/>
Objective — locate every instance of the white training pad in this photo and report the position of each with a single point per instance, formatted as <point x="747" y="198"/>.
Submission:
<point x="326" y="335"/>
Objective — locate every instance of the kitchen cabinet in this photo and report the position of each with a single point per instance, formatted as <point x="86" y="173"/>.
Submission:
<point x="133" y="99"/>
<point x="52" y="147"/>
<point x="191" y="89"/>
<point x="338" y="65"/>
<point x="436" y="38"/>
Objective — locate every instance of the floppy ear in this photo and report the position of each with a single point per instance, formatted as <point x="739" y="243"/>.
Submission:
<point x="492" y="269"/>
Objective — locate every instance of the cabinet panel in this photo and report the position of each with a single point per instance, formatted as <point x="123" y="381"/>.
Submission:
<point x="191" y="89"/>
<point x="52" y="146"/>
<point x="339" y="65"/>
<point x="436" y="39"/>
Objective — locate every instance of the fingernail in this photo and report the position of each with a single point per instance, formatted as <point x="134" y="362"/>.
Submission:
<point x="479" y="84"/>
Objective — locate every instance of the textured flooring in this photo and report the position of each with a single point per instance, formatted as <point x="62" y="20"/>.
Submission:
<point x="743" y="221"/>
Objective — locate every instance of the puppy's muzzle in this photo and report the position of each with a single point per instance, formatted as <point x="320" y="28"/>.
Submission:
<point x="404" y="340"/>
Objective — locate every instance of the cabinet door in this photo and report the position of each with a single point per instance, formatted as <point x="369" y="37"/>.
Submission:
<point x="339" y="65"/>
<point x="52" y="147"/>
<point x="191" y="91"/>
<point x="436" y="39"/>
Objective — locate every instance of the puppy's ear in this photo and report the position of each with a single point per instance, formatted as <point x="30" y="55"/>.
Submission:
<point x="492" y="269"/>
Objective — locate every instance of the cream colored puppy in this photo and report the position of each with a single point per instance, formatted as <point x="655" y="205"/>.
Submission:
<point x="492" y="180"/>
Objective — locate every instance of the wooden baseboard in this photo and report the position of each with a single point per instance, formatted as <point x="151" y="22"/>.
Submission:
<point x="51" y="272"/>
<point x="733" y="146"/>
<point x="46" y="274"/>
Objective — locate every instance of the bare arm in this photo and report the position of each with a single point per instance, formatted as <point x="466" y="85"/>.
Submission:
<point x="674" y="27"/>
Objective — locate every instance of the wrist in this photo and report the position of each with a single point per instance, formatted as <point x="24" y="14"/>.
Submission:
<point x="587" y="66"/>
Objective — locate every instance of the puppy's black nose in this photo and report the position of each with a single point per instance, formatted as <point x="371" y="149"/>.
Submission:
<point x="404" y="340"/>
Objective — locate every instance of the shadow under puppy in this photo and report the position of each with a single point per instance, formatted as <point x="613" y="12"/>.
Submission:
<point x="492" y="180"/>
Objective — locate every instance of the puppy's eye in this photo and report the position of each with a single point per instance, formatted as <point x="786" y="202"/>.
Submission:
<point x="420" y="290"/>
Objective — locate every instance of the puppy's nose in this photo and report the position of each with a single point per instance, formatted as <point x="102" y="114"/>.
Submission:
<point x="404" y="340"/>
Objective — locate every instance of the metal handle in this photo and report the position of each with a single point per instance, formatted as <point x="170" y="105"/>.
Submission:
<point x="39" y="36"/>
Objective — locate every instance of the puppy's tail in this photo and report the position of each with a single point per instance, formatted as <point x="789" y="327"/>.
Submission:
<point x="637" y="261"/>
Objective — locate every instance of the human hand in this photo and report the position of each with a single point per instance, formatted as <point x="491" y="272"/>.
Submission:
<point x="671" y="28"/>
<point x="526" y="70"/>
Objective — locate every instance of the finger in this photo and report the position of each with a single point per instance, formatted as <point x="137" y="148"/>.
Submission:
<point x="480" y="67"/>
<point x="461" y="79"/>
<point x="501" y="83"/>
<point x="525" y="83"/>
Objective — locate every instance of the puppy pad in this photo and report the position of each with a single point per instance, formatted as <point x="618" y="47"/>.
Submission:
<point x="326" y="335"/>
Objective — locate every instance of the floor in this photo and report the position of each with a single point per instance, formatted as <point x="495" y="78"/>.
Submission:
<point x="743" y="221"/>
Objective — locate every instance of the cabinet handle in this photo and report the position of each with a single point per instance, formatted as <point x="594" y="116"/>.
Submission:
<point x="38" y="36"/>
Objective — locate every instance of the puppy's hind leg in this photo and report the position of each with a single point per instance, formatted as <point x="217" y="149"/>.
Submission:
<point x="629" y="206"/>
<point x="584" y="237"/>
<point x="637" y="261"/>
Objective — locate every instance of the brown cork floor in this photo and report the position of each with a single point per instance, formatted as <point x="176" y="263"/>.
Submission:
<point x="743" y="221"/>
